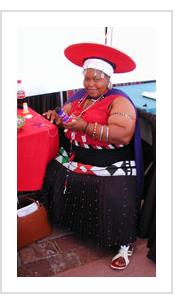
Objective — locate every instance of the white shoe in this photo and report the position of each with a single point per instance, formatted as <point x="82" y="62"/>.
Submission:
<point x="120" y="260"/>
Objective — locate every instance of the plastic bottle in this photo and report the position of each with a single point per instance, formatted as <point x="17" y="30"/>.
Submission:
<point x="20" y="95"/>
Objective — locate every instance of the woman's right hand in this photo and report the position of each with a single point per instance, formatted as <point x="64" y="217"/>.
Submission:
<point x="52" y="116"/>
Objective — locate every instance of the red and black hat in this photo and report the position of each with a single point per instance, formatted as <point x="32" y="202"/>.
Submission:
<point x="78" y="53"/>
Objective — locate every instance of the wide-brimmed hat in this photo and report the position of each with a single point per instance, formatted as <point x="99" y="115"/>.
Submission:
<point x="78" y="53"/>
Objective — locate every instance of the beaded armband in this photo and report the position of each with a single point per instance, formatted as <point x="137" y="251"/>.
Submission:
<point x="121" y="114"/>
<point x="101" y="132"/>
<point x="107" y="134"/>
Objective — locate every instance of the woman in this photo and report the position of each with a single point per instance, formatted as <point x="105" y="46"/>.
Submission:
<point x="93" y="186"/>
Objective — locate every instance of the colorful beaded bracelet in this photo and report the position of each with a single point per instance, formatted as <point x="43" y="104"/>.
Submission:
<point x="94" y="129"/>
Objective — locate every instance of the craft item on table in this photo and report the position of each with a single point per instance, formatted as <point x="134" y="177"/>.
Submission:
<point x="20" y="122"/>
<point x="25" y="108"/>
<point x="28" y="116"/>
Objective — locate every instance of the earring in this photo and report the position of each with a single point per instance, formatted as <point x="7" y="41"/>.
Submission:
<point x="110" y="85"/>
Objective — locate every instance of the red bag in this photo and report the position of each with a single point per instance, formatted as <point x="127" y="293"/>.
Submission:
<point x="32" y="222"/>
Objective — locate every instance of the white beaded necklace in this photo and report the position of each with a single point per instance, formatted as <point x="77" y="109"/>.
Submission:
<point x="90" y="105"/>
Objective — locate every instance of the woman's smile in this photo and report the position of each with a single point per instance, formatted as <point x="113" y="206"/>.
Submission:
<point x="93" y="92"/>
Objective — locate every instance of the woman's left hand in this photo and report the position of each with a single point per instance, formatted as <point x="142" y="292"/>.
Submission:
<point x="77" y="124"/>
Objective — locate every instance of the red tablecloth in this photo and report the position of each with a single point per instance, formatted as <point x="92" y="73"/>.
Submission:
<point x="37" y="144"/>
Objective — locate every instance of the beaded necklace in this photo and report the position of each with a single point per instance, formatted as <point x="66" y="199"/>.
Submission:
<point x="71" y="153"/>
<point x="82" y="102"/>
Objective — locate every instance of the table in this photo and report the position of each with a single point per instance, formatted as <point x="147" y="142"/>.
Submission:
<point x="135" y="91"/>
<point x="146" y="109"/>
<point x="37" y="144"/>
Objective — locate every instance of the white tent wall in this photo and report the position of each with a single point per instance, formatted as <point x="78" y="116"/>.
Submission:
<point x="140" y="44"/>
<point x="43" y="68"/>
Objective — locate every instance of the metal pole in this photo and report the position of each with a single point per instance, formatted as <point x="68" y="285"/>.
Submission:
<point x="108" y="35"/>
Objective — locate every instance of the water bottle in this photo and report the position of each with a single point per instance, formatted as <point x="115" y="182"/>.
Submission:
<point x="20" y="95"/>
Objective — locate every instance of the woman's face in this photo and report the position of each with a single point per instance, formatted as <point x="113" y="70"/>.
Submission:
<point x="95" y="82"/>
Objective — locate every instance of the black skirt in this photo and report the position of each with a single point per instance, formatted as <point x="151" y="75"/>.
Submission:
<point x="101" y="208"/>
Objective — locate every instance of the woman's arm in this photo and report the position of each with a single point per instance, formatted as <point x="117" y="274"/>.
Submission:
<point x="54" y="117"/>
<point x="120" y="125"/>
<point x="121" y="121"/>
<point x="119" y="128"/>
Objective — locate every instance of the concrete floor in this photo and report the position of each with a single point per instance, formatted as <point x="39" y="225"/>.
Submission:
<point x="63" y="255"/>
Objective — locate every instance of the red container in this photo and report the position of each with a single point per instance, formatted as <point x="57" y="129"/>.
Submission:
<point x="33" y="226"/>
